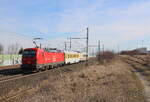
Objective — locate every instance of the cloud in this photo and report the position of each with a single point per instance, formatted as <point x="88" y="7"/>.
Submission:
<point x="112" y="26"/>
<point x="9" y="38"/>
<point x="111" y="22"/>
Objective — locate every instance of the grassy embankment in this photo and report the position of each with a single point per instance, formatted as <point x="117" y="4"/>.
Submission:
<point x="107" y="82"/>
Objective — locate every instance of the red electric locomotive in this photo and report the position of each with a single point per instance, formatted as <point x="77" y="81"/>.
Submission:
<point x="41" y="59"/>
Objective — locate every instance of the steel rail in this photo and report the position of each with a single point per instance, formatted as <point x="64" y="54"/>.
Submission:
<point x="15" y="95"/>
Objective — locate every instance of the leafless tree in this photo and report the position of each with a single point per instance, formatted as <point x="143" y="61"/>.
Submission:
<point x="20" y="50"/>
<point x="16" y="48"/>
<point x="1" y="48"/>
<point x="13" y="48"/>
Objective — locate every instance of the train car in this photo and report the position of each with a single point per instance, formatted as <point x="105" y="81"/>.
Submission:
<point x="82" y="57"/>
<point x="71" y="57"/>
<point x="38" y="59"/>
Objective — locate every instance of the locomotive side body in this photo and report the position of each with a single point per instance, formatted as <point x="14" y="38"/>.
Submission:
<point x="54" y="58"/>
<point x="36" y="58"/>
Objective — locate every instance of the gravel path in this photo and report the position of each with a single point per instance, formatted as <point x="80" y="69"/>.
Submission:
<point x="146" y="85"/>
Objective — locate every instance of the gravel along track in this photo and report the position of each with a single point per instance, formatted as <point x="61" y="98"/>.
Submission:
<point x="146" y="83"/>
<point x="17" y="81"/>
<point x="7" y="98"/>
<point x="7" y="78"/>
<point x="10" y="97"/>
<point x="11" y="73"/>
<point x="19" y="76"/>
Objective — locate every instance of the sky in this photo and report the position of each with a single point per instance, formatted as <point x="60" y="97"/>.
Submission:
<point x="123" y="23"/>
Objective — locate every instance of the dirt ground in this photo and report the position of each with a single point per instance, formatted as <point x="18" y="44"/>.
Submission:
<point x="111" y="82"/>
<point x="140" y="66"/>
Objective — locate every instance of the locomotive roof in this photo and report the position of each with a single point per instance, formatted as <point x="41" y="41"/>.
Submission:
<point x="52" y="50"/>
<point x="31" y="48"/>
<point x="44" y="49"/>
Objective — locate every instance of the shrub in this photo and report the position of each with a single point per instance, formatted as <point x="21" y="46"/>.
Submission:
<point x="131" y="53"/>
<point x="105" y="56"/>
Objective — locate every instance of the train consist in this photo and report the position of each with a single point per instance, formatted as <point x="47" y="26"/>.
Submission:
<point x="42" y="59"/>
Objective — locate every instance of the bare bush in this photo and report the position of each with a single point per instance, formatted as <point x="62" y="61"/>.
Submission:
<point x="13" y="48"/>
<point x="105" y="56"/>
<point x="133" y="52"/>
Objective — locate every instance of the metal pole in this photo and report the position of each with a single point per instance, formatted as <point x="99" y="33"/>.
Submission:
<point x="70" y="43"/>
<point x="65" y="46"/>
<point x="118" y="50"/>
<point x="103" y="49"/>
<point x="137" y="44"/>
<point x="40" y="45"/>
<point x="92" y="52"/>
<point x="99" y="52"/>
<point x="2" y="57"/>
<point x="87" y="44"/>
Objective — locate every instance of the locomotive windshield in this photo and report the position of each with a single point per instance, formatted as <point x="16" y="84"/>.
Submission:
<point x="29" y="53"/>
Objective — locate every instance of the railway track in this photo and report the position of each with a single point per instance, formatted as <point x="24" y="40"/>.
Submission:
<point x="7" y="97"/>
<point x="19" y="76"/>
<point x="10" y="76"/>
<point x="23" y="75"/>
<point x="136" y="59"/>
<point x="138" y="65"/>
<point x="139" y="58"/>
<point x="16" y="95"/>
<point x="5" y="78"/>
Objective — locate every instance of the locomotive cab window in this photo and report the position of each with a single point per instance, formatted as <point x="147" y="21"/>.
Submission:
<point x="29" y="53"/>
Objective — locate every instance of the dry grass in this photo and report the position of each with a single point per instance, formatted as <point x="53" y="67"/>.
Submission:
<point x="113" y="82"/>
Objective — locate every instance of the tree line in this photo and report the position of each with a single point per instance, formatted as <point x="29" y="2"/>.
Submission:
<point x="11" y="49"/>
